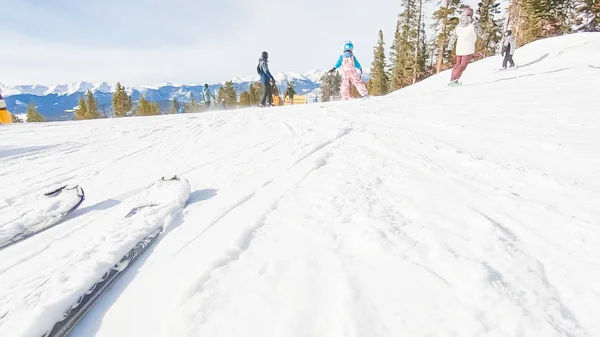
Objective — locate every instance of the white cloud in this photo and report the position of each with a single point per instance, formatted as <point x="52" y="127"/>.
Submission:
<point x="151" y="41"/>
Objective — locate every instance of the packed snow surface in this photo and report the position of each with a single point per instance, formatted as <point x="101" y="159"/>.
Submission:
<point x="433" y="211"/>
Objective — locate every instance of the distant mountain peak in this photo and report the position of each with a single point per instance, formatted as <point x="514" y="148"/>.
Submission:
<point x="79" y="86"/>
<point x="310" y="77"/>
<point x="61" y="107"/>
<point x="103" y="87"/>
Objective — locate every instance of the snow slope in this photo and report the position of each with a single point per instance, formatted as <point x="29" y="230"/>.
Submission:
<point x="433" y="211"/>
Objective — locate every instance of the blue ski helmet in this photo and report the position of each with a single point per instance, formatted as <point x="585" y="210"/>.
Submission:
<point x="348" y="45"/>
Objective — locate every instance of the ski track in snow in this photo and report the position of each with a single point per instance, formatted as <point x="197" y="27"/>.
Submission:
<point x="433" y="211"/>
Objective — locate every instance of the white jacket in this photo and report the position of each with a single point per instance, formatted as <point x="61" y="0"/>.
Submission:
<point x="466" y="38"/>
<point x="465" y="35"/>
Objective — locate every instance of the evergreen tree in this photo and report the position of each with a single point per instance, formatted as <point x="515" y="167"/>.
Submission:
<point x="379" y="78"/>
<point x="143" y="107"/>
<point x="554" y="15"/>
<point x="121" y="101"/>
<point x="154" y="108"/>
<point x="193" y="105"/>
<point x="422" y="54"/>
<point x="394" y="57"/>
<point x="491" y="27"/>
<point x="146" y="108"/>
<point x="337" y="84"/>
<point x="174" y="106"/>
<point x="116" y="101"/>
<point x="444" y="24"/>
<point x="514" y="18"/>
<point x="92" y="106"/>
<point x="330" y="87"/>
<point x="405" y="45"/>
<point x="326" y="87"/>
<point x="229" y="93"/>
<point x="586" y="13"/>
<point x="245" y="98"/>
<point x="81" y="110"/>
<point x="535" y="19"/>
<point x="128" y="105"/>
<point x="369" y="86"/>
<point x="33" y="115"/>
<point x="221" y="94"/>
<point x="254" y="98"/>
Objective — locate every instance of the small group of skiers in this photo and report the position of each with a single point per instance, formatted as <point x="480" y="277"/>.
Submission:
<point x="465" y="35"/>
<point x="268" y="81"/>
<point x="350" y="68"/>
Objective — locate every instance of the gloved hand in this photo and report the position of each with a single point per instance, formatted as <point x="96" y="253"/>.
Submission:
<point x="331" y="71"/>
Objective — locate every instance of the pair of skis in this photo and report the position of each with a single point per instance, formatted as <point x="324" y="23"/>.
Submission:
<point x="165" y="196"/>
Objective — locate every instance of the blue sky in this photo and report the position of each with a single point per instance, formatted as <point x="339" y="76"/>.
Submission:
<point x="150" y="41"/>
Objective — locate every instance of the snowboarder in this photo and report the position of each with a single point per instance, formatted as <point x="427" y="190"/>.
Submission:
<point x="464" y="35"/>
<point x="207" y="95"/>
<point x="266" y="79"/>
<point x="290" y="92"/>
<point x="508" y="49"/>
<point x="350" y="65"/>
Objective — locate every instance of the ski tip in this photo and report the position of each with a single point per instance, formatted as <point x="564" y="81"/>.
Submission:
<point x="63" y="188"/>
<point x="80" y="192"/>
<point x="55" y="191"/>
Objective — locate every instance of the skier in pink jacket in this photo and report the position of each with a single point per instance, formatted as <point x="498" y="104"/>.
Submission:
<point x="350" y="68"/>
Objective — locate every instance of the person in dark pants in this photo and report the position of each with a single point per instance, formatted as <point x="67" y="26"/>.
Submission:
<point x="508" y="49"/>
<point x="266" y="79"/>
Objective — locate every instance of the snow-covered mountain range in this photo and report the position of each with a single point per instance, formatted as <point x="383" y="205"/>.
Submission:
<point x="57" y="102"/>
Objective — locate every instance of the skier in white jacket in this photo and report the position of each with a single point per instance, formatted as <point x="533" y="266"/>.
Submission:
<point x="464" y="35"/>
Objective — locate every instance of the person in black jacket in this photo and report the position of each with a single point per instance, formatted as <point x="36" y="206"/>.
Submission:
<point x="266" y="79"/>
